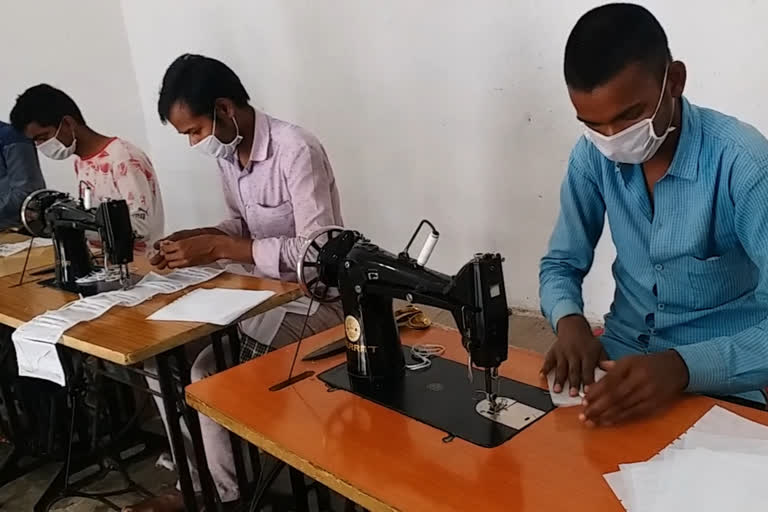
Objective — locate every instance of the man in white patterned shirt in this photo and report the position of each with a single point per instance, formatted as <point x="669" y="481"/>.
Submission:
<point x="111" y="167"/>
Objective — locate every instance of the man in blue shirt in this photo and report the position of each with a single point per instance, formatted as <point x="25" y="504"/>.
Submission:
<point x="20" y="174"/>
<point x="685" y="190"/>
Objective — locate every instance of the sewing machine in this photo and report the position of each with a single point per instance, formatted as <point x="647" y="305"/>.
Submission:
<point x="52" y="214"/>
<point x="340" y="264"/>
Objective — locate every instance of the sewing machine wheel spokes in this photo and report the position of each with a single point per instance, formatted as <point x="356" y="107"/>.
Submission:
<point x="33" y="211"/>
<point x="308" y="268"/>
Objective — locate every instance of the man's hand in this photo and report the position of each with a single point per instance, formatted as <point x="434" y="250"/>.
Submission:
<point x="635" y="386"/>
<point x="575" y="354"/>
<point x="191" y="251"/>
<point x="158" y="259"/>
<point x="180" y="235"/>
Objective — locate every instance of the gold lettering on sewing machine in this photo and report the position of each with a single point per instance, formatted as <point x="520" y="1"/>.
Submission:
<point x="362" y="349"/>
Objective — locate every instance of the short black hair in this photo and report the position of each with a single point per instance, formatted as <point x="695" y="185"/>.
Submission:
<point x="609" y="38"/>
<point x="44" y="105"/>
<point x="197" y="82"/>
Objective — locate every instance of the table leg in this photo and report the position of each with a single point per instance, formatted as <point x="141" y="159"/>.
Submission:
<point x="168" y="389"/>
<point x="233" y="336"/>
<point x="234" y="440"/>
<point x="193" y="424"/>
<point x="323" y="497"/>
<point x="299" y="488"/>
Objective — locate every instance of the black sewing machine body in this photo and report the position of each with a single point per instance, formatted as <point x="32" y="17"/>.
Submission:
<point x="368" y="278"/>
<point x="66" y="220"/>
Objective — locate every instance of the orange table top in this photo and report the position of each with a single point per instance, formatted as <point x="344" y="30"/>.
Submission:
<point x="386" y="461"/>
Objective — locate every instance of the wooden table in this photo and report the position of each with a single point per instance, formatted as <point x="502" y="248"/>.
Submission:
<point x="125" y="336"/>
<point x="38" y="257"/>
<point x="386" y="461"/>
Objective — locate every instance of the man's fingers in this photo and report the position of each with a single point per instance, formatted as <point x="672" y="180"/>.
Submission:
<point x="170" y="247"/>
<point x="574" y="376"/>
<point x="640" y="409"/>
<point x="561" y="373"/>
<point x="180" y="263"/>
<point x="613" y="415"/>
<point x="549" y="363"/>
<point x="587" y="372"/>
<point x="607" y="365"/>
<point x="608" y="405"/>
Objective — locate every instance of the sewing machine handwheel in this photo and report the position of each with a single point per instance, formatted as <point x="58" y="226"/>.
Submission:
<point x="33" y="211"/>
<point x="310" y="280"/>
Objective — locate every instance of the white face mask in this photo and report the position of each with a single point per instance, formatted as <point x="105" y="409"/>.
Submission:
<point x="54" y="149"/>
<point x="636" y="144"/>
<point x="212" y="146"/>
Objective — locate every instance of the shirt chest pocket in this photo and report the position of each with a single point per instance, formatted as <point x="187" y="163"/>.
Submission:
<point x="721" y="279"/>
<point x="271" y="221"/>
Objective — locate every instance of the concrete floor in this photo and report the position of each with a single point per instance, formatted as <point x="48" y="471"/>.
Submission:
<point x="525" y="330"/>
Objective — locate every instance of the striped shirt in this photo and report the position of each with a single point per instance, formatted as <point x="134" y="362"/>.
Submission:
<point x="691" y="271"/>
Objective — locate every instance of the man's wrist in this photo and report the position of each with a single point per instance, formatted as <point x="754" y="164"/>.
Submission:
<point x="232" y="248"/>
<point x="221" y="246"/>
<point x="210" y="231"/>
<point x="573" y="322"/>
<point x="681" y="373"/>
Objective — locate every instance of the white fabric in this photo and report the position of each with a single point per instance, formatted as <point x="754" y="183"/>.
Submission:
<point x="13" y="248"/>
<point x="564" y="398"/>
<point x="718" y="464"/>
<point x="218" y="306"/>
<point x="263" y="328"/>
<point x="35" y="341"/>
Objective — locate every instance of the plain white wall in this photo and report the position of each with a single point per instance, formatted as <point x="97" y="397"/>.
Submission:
<point x="450" y="110"/>
<point x="85" y="55"/>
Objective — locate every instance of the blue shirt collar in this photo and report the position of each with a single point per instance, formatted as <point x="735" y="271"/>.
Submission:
<point x="685" y="163"/>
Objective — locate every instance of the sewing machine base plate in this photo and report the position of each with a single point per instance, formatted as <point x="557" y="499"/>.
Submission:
<point x="442" y="396"/>
<point x="88" y="289"/>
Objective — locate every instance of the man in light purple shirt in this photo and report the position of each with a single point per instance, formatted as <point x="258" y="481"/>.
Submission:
<point x="279" y="188"/>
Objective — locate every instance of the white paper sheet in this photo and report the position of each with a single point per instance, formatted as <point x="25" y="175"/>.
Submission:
<point x="700" y="480"/>
<point x="35" y="341"/>
<point x="564" y="398"/>
<point x="718" y="464"/>
<point x="13" y="248"/>
<point x="218" y="306"/>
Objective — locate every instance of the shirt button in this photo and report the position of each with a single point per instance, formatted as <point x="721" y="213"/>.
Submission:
<point x="661" y="307"/>
<point x="652" y="331"/>
<point x="659" y="267"/>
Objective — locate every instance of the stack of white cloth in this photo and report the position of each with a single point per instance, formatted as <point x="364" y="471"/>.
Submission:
<point x="720" y="463"/>
<point x="35" y="341"/>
